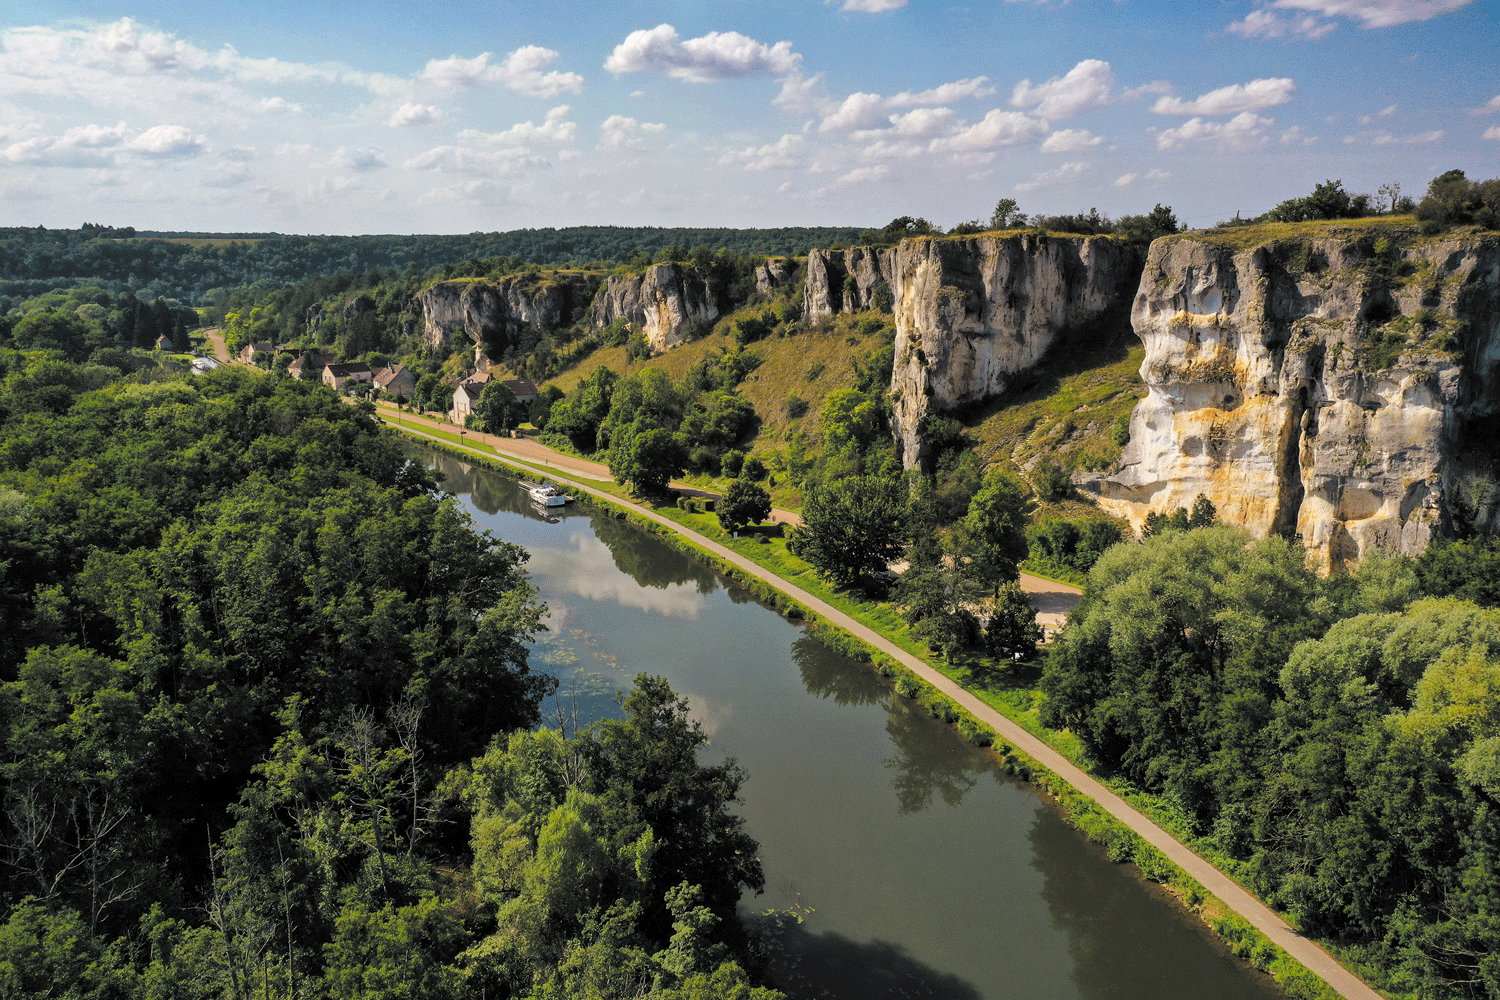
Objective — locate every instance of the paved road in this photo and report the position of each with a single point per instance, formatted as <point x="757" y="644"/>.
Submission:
<point x="1306" y="951"/>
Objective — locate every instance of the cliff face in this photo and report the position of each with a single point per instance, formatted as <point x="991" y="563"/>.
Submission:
<point x="846" y="280"/>
<point x="772" y="275"/>
<point x="496" y="313"/>
<point x="972" y="312"/>
<point x="1334" y="387"/>
<point x="661" y="301"/>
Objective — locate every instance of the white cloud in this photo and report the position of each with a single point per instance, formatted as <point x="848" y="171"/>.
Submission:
<point x="1125" y="180"/>
<point x="1420" y="139"/>
<point x="279" y="106"/>
<point x="1085" y="87"/>
<point x="1070" y="141"/>
<point x="922" y="123"/>
<point x="358" y="159"/>
<point x="859" y="111"/>
<point x="779" y="155"/>
<point x="224" y="175"/>
<point x="240" y="154"/>
<point x="1493" y="132"/>
<point x="463" y="160"/>
<point x="1488" y="107"/>
<point x="901" y="149"/>
<point x="873" y="6"/>
<point x="1231" y="100"/>
<point x="717" y="55"/>
<point x="996" y="130"/>
<point x="866" y="175"/>
<point x="164" y="142"/>
<point x="1245" y="131"/>
<point x="1265" y="23"/>
<point x="620" y="132"/>
<point x="945" y="93"/>
<point x="800" y="94"/>
<point x="1382" y="113"/>
<point x="414" y="114"/>
<point x="521" y="71"/>
<point x="555" y="129"/>
<point x="1376" y="13"/>
<point x="1294" y="137"/>
<point x="1064" y="174"/>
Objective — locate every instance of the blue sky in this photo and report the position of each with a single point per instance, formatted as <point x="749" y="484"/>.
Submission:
<point x="317" y="117"/>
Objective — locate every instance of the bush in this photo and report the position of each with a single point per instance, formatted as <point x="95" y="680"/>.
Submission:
<point x="732" y="463"/>
<point x="754" y="469"/>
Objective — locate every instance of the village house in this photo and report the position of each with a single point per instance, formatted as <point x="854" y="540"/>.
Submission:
<point x="338" y="374"/>
<point x="249" y="351"/>
<point x="307" y="362"/>
<point x="396" y="380"/>
<point x="467" y="393"/>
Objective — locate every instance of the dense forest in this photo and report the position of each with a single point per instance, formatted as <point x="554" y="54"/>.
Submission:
<point x="33" y="261"/>
<point x="268" y="721"/>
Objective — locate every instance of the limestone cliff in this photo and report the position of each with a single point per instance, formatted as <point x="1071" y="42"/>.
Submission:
<point x="846" y="280"/>
<point x="773" y="274"/>
<point x="661" y="301"/>
<point x="498" y="312"/>
<point x="973" y="311"/>
<point x="1335" y="383"/>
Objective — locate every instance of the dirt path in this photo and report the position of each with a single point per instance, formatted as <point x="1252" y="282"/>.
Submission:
<point x="221" y="350"/>
<point x="1306" y="951"/>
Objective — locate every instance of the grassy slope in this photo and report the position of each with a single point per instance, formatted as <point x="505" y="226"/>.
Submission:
<point x="783" y="373"/>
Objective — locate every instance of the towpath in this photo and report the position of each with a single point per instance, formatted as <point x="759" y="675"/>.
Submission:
<point x="1303" y="949"/>
<point x="216" y="339"/>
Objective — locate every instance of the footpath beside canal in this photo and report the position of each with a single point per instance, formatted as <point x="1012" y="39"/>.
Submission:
<point x="1257" y="914"/>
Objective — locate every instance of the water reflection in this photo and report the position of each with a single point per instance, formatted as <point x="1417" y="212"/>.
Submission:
<point x="805" y="965"/>
<point x="829" y="675"/>
<point x="1109" y="942"/>
<point x="926" y="763"/>
<point x="590" y="568"/>
<point x="646" y="560"/>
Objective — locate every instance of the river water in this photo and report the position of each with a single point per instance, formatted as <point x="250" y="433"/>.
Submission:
<point x="920" y="869"/>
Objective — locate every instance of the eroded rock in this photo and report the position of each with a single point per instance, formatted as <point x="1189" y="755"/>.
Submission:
<point x="1333" y="388"/>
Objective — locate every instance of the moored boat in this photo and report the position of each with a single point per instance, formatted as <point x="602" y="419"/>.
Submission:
<point x="545" y="494"/>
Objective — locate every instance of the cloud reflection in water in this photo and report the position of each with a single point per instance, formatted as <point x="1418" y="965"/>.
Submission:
<point x="586" y="567"/>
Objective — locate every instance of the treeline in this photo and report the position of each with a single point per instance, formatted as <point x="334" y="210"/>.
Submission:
<point x="1451" y="200"/>
<point x="267" y="721"/>
<point x="1334" y="742"/>
<point x="90" y="323"/>
<point x="36" y="260"/>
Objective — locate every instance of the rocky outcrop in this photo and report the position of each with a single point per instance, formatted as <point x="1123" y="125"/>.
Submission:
<point x="1336" y="388"/>
<point x="663" y="301"/>
<point x="847" y="280"/>
<point x="493" y="315"/>
<point x="971" y="312"/>
<point x="358" y="306"/>
<point x="771" y="276"/>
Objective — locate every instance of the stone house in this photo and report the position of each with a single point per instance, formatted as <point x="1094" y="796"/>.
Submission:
<point x="338" y="374"/>
<point x="396" y="380"/>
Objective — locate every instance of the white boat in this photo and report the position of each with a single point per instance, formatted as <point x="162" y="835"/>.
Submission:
<point x="545" y="494"/>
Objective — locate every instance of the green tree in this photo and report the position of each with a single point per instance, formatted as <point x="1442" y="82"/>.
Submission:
<point x="993" y="533"/>
<point x="1012" y="631"/>
<point x="656" y="457"/>
<point x="497" y="407"/>
<point x="1167" y="668"/>
<point x="1204" y="513"/>
<point x="1007" y="214"/>
<point x="743" y="504"/>
<point x="53" y="331"/>
<point x="853" y="527"/>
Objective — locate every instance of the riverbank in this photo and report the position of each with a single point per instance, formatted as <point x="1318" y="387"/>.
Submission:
<point x="1130" y="825"/>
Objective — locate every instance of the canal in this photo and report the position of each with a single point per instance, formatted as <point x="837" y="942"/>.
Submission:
<point x="918" y="867"/>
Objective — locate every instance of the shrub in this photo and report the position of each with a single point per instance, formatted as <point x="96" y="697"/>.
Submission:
<point x="732" y="463"/>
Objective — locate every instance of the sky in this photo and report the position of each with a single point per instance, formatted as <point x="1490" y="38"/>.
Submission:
<point x="398" y="117"/>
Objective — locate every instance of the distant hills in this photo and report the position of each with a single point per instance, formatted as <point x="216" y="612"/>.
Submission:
<point x="186" y="265"/>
